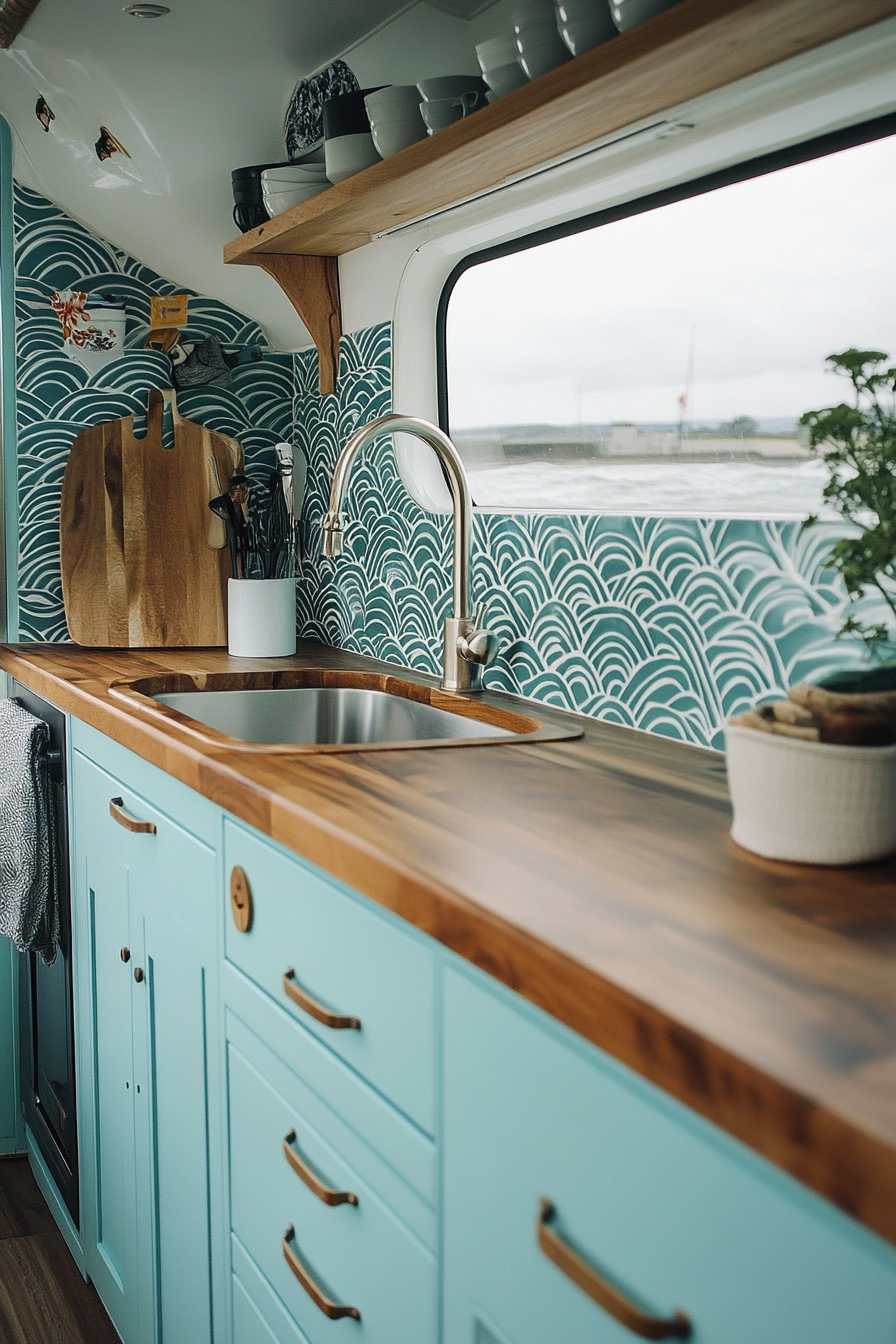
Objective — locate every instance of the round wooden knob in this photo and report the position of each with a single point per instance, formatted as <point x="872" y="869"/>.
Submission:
<point x="138" y="974"/>
<point x="125" y="954"/>
<point x="241" y="900"/>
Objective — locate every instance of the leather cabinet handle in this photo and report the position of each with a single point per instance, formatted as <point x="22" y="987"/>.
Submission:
<point x="313" y="1182"/>
<point x="337" y="1021"/>
<point x="331" y="1309"/>
<point x="600" y="1290"/>
<point x="117" y="813"/>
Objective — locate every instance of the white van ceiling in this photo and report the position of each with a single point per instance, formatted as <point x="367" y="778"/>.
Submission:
<point x="190" y="96"/>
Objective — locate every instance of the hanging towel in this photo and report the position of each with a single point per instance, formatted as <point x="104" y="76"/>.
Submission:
<point x="29" y="907"/>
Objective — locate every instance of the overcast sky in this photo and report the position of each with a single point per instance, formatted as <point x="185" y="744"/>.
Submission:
<point x="771" y="275"/>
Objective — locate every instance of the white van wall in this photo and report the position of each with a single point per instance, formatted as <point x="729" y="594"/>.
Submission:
<point x="192" y="96"/>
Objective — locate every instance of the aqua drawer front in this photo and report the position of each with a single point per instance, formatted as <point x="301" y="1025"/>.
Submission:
<point x="671" y="1213"/>
<point x="249" y="1326"/>
<point x="389" y="1152"/>
<point x="128" y="827"/>
<point x="259" y="1316"/>
<point x="321" y="953"/>
<point x="174" y="799"/>
<point x="335" y="1255"/>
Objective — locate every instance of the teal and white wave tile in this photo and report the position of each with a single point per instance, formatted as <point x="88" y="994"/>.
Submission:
<point x="56" y="398"/>
<point x="664" y="624"/>
<point x="668" y="625"/>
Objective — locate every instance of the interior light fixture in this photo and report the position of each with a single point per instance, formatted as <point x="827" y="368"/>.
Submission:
<point x="147" y="11"/>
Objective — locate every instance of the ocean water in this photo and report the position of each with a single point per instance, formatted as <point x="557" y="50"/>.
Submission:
<point x="693" y="489"/>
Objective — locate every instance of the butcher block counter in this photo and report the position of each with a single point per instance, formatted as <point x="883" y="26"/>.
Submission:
<point x="597" y="878"/>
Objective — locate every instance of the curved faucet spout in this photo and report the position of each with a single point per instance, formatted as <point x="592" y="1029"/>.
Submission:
<point x="461" y="669"/>
<point x="457" y="484"/>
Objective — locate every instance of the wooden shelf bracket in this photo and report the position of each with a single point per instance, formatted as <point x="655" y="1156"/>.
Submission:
<point x="312" y="286"/>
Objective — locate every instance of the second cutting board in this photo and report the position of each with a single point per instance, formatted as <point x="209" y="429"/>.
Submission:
<point x="143" y="565"/>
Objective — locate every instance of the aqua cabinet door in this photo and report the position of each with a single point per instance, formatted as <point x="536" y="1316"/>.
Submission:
<point x="146" y="954"/>
<point x="104" y="972"/>
<point x="175" y="1247"/>
<point x="657" y="1205"/>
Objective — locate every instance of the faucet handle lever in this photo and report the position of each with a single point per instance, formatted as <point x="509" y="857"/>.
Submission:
<point x="478" y="647"/>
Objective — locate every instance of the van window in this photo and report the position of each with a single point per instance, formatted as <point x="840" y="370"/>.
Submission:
<point x="658" y="362"/>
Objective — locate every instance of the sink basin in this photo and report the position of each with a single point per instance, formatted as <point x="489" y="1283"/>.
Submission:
<point x="324" y="716"/>
<point x="319" y="709"/>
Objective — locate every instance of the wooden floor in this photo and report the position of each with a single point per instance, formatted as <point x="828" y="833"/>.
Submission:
<point x="43" y="1298"/>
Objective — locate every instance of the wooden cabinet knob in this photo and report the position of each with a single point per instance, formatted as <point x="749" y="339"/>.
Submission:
<point x="125" y="954"/>
<point x="138" y="974"/>
<point x="241" y="900"/>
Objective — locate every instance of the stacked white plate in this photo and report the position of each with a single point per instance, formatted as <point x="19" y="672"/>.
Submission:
<point x="282" y="188"/>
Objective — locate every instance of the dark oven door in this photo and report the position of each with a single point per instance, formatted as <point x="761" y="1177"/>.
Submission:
<point x="46" y="1027"/>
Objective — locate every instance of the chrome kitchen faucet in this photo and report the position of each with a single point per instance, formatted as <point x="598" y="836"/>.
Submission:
<point x="468" y="648"/>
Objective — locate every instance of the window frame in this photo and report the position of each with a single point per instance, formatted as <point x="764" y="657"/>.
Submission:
<point x="815" y="147"/>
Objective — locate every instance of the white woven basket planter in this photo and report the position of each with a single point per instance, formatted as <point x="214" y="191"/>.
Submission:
<point x="811" y="802"/>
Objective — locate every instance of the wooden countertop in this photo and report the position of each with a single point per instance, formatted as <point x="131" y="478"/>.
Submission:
<point x="597" y="878"/>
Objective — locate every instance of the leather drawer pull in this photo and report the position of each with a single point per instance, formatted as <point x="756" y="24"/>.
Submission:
<point x="313" y="1008"/>
<point x="117" y="813"/>
<point x="602" y="1292"/>
<point x="320" y="1299"/>
<point x="241" y="906"/>
<point x="314" y="1184"/>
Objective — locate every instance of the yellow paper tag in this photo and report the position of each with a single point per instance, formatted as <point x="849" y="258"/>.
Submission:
<point x="169" y="311"/>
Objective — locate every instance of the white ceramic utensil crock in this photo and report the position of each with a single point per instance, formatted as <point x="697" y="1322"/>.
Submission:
<point x="261" y="618"/>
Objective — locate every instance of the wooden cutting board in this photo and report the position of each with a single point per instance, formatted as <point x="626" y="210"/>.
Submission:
<point x="144" y="562"/>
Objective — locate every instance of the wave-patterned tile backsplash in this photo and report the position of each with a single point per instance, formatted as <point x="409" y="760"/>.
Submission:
<point x="56" y="397"/>
<point x="665" y="624"/>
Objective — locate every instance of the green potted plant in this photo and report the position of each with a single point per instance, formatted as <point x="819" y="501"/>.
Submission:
<point x="857" y="444"/>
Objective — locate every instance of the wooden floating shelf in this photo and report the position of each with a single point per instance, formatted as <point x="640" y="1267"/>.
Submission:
<point x="691" y="50"/>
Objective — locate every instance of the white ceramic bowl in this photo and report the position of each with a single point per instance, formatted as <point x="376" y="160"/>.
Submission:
<point x="277" y="202"/>
<point x="293" y="188"/>
<point x="584" y="24"/>
<point x="396" y="100"/>
<point x="629" y="13"/>
<point x="811" y="802"/>
<point x="540" y="49"/>
<point x="495" y="51"/>
<point x="505" y="78"/>
<point x="350" y="154"/>
<point x="309" y="184"/>
<point x="392" y="136"/>
<point x="298" y="175"/>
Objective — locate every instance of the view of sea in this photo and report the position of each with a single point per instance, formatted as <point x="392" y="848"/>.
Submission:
<point x="694" y="489"/>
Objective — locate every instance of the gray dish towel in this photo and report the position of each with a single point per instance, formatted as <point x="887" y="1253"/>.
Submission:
<point x="29" y="906"/>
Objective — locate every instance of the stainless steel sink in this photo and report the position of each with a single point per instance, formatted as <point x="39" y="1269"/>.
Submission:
<point x="298" y="710"/>
<point x="325" y="716"/>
